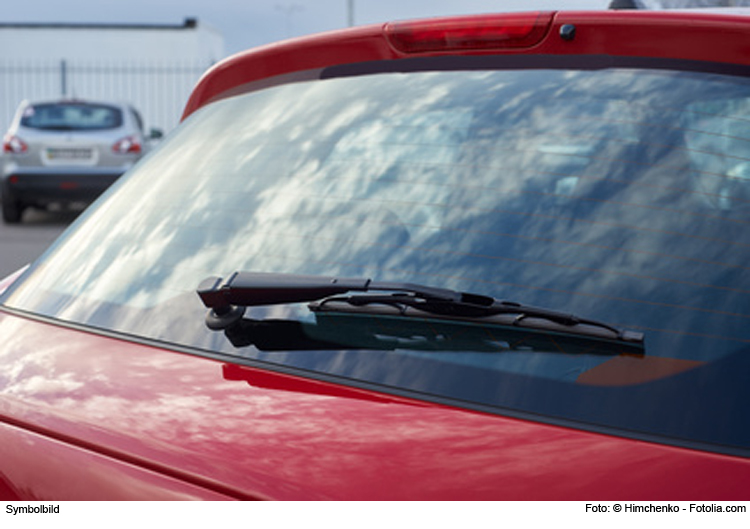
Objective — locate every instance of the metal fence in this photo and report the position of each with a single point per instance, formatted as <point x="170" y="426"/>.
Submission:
<point x="158" y="89"/>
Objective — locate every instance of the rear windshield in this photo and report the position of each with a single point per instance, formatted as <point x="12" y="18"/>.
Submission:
<point x="71" y="116"/>
<point x="621" y="195"/>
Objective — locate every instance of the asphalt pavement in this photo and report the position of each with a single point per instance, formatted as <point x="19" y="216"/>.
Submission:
<point x="21" y="243"/>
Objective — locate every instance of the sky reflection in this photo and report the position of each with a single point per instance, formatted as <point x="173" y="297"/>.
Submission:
<point x="580" y="191"/>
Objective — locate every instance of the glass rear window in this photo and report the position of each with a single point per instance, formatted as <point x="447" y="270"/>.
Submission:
<point x="71" y="116"/>
<point x="620" y="195"/>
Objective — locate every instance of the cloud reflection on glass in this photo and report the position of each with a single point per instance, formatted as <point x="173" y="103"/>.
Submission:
<point x="582" y="191"/>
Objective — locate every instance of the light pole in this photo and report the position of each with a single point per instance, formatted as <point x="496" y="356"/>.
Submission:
<point x="350" y="12"/>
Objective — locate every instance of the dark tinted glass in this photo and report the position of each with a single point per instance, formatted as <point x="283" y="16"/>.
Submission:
<point x="620" y="195"/>
<point x="71" y="116"/>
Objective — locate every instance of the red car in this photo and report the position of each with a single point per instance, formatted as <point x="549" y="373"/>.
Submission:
<point x="487" y="257"/>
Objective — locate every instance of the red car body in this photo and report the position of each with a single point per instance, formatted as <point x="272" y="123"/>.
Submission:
<point x="102" y="418"/>
<point x="86" y="415"/>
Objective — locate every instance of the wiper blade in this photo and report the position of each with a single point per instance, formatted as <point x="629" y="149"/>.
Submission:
<point x="228" y="299"/>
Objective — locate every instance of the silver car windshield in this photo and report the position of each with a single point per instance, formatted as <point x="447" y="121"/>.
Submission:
<point x="619" y="194"/>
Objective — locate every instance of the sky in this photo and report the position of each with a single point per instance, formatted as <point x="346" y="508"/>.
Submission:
<point x="249" y="23"/>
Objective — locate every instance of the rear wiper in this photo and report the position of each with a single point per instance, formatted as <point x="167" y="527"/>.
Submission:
<point x="56" y="127"/>
<point x="228" y="299"/>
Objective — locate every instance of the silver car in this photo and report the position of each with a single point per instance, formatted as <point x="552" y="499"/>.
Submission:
<point x="67" y="151"/>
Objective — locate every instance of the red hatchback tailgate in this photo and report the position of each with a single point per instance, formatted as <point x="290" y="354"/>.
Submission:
<point x="144" y="423"/>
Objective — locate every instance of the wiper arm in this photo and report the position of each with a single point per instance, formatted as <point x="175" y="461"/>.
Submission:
<point x="251" y="289"/>
<point x="227" y="301"/>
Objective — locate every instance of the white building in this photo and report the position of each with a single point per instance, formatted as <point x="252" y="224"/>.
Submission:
<point x="154" y="67"/>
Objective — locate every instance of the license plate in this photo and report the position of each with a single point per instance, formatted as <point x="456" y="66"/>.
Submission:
<point x="69" y="153"/>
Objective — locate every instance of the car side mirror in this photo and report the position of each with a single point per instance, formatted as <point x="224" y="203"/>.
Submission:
<point x="155" y="134"/>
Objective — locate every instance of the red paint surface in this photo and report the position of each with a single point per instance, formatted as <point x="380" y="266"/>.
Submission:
<point x="161" y="418"/>
<point x="37" y="467"/>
